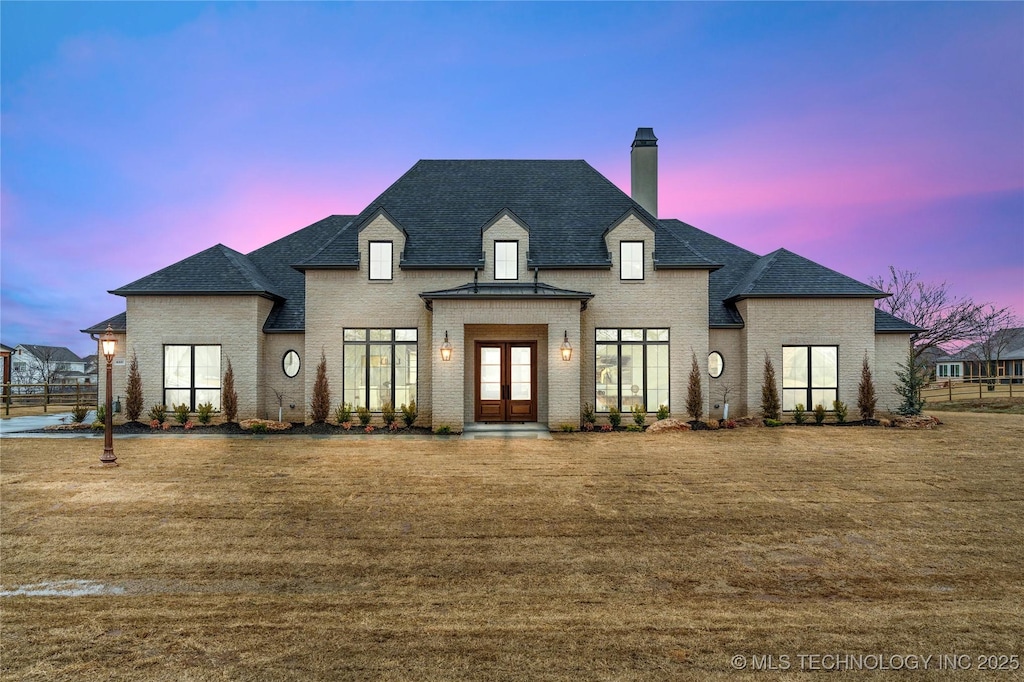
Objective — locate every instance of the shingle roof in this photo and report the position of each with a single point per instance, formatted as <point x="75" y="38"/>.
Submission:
<point x="51" y="353"/>
<point x="217" y="270"/>
<point x="119" y="323"/>
<point x="1010" y="343"/>
<point x="443" y="205"/>
<point x="276" y="259"/>
<point x="782" y="273"/>
<point x="886" y="323"/>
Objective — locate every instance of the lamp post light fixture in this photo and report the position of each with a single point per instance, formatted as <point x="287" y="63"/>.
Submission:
<point x="109" y="346"/>
<point x="566" y="347"/>
<point x="446" y="348"/>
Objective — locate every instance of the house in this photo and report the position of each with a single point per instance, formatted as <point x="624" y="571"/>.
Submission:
<point x="39" y="364"/>
<point x="505" y="290"/>
<point x="1001" y="356"/>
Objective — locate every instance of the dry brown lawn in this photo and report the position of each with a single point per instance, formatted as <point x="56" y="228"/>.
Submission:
<point x="611" y="556"/>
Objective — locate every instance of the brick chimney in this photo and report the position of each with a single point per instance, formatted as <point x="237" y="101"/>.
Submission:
<point x="644" y="170"/>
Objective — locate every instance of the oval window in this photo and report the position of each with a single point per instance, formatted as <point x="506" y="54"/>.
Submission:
<point x="715" y="364"/>
<point x="291" y="363"/>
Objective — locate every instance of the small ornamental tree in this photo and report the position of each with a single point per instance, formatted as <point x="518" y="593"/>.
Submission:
<point x="866" y="398"/>
<point x="694" y="394"/>
<point x="133" y="392"/>
<point x="320" y="405"/>
<point x="770" y="406"/>
<point x="910" y="380"/>
<point x="229" y="398"/>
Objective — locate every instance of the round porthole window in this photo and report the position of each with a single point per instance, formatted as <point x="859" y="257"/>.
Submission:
<point x="291" y="363"/>
<point x="715" y="364"/>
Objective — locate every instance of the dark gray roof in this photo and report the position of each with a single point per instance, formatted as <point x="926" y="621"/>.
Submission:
<point x="275" y="261"/>
<point x="118" y="323"/>
<point x="886" y="323"/>
<point x="443" y="206"/>
<point x="782" y="273"/>
<point x="736" y="261"/>
<point x="217" y="270"/>
<point x="51" y="353"/>
<point x="519" y="290"/>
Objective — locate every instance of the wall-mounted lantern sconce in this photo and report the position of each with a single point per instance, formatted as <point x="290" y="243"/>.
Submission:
<point x="446" y="348"/>
<point x="566" y="347"/>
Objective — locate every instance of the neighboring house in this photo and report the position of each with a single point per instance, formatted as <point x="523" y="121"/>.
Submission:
<point x="38" y="364"/>
<point x="91" y="369"/>
<point x="1000" y="357"/>
<point x="505" y="291"/>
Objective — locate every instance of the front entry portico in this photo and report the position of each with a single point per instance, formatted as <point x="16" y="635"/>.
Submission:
<point x="506" y="364"/>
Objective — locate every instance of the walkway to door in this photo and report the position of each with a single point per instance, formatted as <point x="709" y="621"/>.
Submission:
<point x="530" y="430"/>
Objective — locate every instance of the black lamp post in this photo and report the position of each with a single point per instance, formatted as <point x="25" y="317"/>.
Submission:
<point x="109" y="345"/>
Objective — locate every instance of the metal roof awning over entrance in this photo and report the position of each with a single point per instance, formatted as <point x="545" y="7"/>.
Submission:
<point x="475" y="291"/>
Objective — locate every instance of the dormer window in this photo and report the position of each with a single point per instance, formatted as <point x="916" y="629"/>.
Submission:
<point x="380" y="260"/>
<point x="631" y="260"/>
<point x="506" y="260"/>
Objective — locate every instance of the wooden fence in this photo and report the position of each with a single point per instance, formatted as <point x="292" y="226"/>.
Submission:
<point x="48" y="395"/>
<point x="971" y="389"/>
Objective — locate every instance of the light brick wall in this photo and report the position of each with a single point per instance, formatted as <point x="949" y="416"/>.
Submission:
<point x="770" y="324"/>
<point x="890" y="352"/>
<point x="728" y="342"/>
<point x="505" y="229"/>
<point x="293" y="389"/>
<point x="453" y="386"/>
<point x="233" y="322"/>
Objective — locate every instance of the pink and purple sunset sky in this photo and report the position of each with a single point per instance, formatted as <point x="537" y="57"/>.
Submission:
<point x="857" y="135"/>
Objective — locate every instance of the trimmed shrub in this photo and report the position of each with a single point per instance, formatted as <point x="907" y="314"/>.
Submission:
<point x="639" y="415"/>
<point x="694" y="392"/>
<point x="204" y="412"/>
<point x="771" y="408"/>
<point x="799" y="414"/>
<point x="819" y="414"/>
<point x="409" y="413"/>
<point x="772" y="422"/>
<point x="133" y="392"/>
<point x="229" y="397"/>
<point x="568" y="428"/>
<point x="320" y="404"/>
<point x="712" y="424"/>
<point x="839" y="407"/>
<point x="158" y="413"/>
<point x="387" y="412"/>
<point x="614" y="417"/>
<point x="589" y="417"/>
<point x="364" y="415"/>
<point x="634" y="427"/>
<point x="343" y="413"/>
<point x="443" y="430"/>
<point x="181" y="413"/>
<point x="662" y="412"/>
<point x="866" y="398"/>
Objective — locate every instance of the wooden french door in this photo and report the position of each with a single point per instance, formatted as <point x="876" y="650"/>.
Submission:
<point x="506" y="381"/>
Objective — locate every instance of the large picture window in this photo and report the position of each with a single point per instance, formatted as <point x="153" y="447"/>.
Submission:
<point x="506" y="260"/>
<point x="192" y="376"/>
<point x="380" y="260"/>
<point x="632" y="369"/>
<point x="810" y="376"/>
<point x="380" y="367"/>
<point x="631" y="260"/>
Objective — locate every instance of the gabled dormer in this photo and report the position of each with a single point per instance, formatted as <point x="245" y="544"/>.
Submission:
<point x="505" y="242"/>
<point x="382" y="241"/>
<point x="630" y="244"/>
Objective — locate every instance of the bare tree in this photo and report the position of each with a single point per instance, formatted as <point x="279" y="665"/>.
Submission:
<point x="42" y="365"/>
<point x="945" y="318"/>
<point x="996" y="332"/>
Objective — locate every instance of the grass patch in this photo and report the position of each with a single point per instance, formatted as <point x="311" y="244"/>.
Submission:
<point x="993" y="406"/>
<point x="618" y="556"/>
